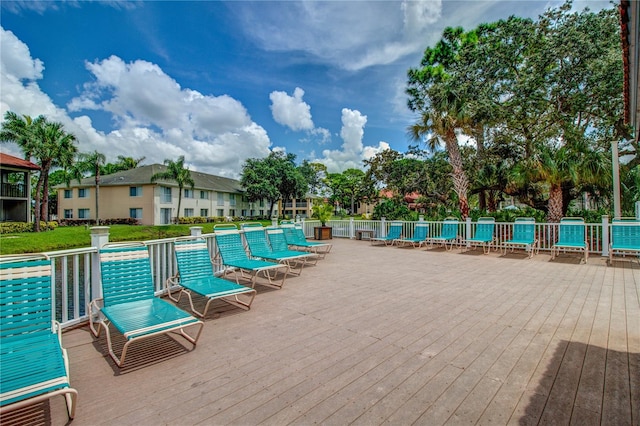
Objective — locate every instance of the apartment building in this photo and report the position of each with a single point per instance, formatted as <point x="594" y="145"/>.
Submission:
<point x="15" y="188"/>
<point x="130" y="194"/>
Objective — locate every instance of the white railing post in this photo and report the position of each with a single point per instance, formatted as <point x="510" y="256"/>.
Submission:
<point x="605" y="236"/>
<point x="467" y="230"/>
<point x="352" y="229"/>
<point x="383" y="227"/>
<point x="196" y="231"/>
<point x="99" y="237"/>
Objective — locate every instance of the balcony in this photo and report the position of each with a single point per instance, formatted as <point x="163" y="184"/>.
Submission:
<point x="13" y="190"/>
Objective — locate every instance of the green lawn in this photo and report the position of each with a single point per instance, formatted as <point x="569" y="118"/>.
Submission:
<point x="69" y="237"/>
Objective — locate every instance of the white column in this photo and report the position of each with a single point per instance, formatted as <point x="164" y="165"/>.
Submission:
<point x="99" y="237"/>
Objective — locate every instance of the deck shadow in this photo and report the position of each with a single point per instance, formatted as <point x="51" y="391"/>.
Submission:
<point x="587" y="385"/>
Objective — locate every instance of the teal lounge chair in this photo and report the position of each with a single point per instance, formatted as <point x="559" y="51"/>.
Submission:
<point x="524" y="236"/>
<point x="129" y="303"/>
<point x="483" y="235"/>
<point x="420" y="234"/>
<point x="34" y="365"/>
<point x="195" y="275"/>
<point x="295" y="237"/>
<point x="233" y="255"/>
<point x="278" y="244"/>
<point x="395" y="233"/>
<point x="572" y="236"/>
<point x="448" y="234"/>
<point x="258" y="245"/>
<point x="625" y="238"/>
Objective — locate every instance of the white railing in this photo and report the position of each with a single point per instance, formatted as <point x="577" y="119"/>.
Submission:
<point x="77" y="278"/>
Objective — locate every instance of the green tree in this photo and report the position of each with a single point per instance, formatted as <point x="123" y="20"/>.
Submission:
<point x="91" y="163"/>
<point x="176" y="171"/>
<point x="442" y="108"/>
<point x="273" y="178"/>
<point x="48" y="143"/>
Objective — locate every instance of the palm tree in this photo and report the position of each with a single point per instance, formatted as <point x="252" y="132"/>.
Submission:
<point x="54" y="148"/>
<point x="441" y="121"/>
<point x="177" y="172"/>
<point x="92" y="162"/>
<point x="48" y="143"/>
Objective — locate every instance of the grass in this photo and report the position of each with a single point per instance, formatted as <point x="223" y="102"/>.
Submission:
<point x="69" y="237"/>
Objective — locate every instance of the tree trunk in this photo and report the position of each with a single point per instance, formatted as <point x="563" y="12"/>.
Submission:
<point x="37" y="212"/>
<point x="460" y="181"/>
<point x="44" y="207"/>
<point x="179" y="202"/>
<point x="98" y="199"/>
<point x="554" y="213"/>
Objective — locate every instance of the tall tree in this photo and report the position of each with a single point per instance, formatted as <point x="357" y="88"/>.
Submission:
<point x="92" y="163"/>
<point x="176" y="171"/>
<point x="48" y="143"/>
<point x="273" y="178"/>
<point x="442" y="109"/>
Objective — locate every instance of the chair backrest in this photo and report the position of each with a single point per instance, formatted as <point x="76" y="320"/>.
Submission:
<point x="395" y="230"/>
<point x="193" y="259"/>
<point x="449" y="229"/>
<point x="485" y="227"/>
<point x="290" y="234"/>
<point x="230" y="245"/>
<point x="277" y="239"/>
<point x="421" y="231"/>
<point x="625" y="233"/>
<point x="256" y="239"/>
<point x="300" y="232"/>
<point x="25" y="296"/>
<point x="126" y="273"/>
<point x="524" y="229"/>
<point x="572" y="230"/>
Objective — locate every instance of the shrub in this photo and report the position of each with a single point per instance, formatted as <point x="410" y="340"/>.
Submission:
<point x="19" y="227"/>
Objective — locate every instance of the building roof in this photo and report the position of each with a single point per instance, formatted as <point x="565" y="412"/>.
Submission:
<point x="629" y="32"/>
<point x="11" y="161"/>
<point x="142" y="176"/>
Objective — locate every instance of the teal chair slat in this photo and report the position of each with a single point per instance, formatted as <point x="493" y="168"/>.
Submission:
<point x="233" y="254"/>
<point x="625" y="238"/>
<point x="195" y="274"/>
<point x="34" y="365"/>
<point x="482" y="236"/>
<point x="524" y="235"/>
<point x="571" y="236"/>
<point x="129" y="302"/>
<point x="419" y="237"/>
<point x="395" y="233"/>
<point x="294" y="236"/>
<point x="448" y="234"/>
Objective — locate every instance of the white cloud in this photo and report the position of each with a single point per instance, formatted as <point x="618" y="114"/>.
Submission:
<point x="154" y="117"/>
<point x="294" y="113"/>
<point x="351" y="35"/>
<point x="291" y="111"/>
<point x="353" y="150"/>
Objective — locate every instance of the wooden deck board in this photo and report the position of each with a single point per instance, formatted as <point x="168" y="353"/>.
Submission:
<point x="380" y="335"/>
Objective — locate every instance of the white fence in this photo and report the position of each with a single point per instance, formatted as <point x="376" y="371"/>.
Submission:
<point x="77" y="277"/>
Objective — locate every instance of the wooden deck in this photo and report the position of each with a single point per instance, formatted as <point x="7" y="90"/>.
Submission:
<point x="384" y="335"/>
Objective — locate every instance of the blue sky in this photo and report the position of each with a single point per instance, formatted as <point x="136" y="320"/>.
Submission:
<point x="220" y="82"/>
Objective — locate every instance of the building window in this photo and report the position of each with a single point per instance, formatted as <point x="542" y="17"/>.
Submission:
<point x="232" y="199"/>
<point x="220" y="212"/>
<point x="83" y="213"/>
<point x="68" y="213"/>
<point x="188" y="193"/>
<point x="204" y="195"/>
<point x="188" y="212"/>
<point x="135" y="213"/>
<point x="135" y="191"/>
<point x="68" y="193"/>
<point x="165" y="216"/>
<point x="220" y="199"/>
<point x="204" y="212"/>
<point x="232" y="212"/>
<point x="261" y="203"/>
<point x="261" y="212"/>
<point x="83" y="193"/>
<point x="165" y="194"/>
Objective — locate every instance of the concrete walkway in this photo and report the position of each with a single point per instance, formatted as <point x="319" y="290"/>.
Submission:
<point x="384" y="335"/>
